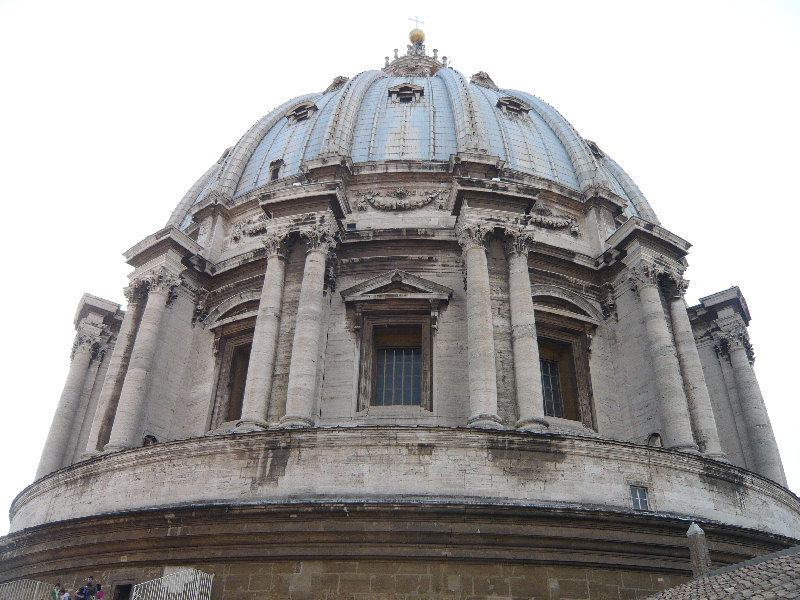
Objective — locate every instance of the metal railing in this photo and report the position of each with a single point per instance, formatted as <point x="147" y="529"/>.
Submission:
<point x="24" y="589"/>
<point x="186" y="584"/>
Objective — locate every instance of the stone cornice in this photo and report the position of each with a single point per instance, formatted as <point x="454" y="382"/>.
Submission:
<point x="649" y="234"/>
<point x="89" y="303"/>
<point x="328" y="190"/>
<point x="167" y="238"/>
<point x="422" y="288"/>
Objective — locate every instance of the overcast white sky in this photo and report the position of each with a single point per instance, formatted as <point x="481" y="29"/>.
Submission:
<point x="110" y="111"/>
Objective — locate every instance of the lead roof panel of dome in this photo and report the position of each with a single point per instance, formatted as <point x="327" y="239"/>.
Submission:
<point x="362" y="120"/>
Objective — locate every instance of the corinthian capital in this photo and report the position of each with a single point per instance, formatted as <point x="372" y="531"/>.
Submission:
<point x="320" y="236"/>
<point x="518" y="239"/>
<point x="275" y="242"/>
<point x="89" y="337"/>
<point x="472" y="234"/>
<point x="161" y="280"/>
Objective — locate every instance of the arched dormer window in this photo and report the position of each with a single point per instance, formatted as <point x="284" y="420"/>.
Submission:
<point x="513" y="107"/>
<point x="301" y="112"/>
<point x="275" y="169"/>
<point x="406" y="92"/>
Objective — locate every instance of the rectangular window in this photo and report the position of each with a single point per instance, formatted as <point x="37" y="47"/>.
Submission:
<point x="398" y="366"/>
<point x="558" y="379"/>
<point x="551" y="389"/>
<point x="639" y="498"/>
<point x="238" y="376"/>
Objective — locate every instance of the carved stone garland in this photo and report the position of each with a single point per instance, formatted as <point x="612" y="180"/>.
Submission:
<point x="401" y="199"/>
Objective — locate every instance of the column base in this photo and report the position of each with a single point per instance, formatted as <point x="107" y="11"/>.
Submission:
<point x="720" y="456"/>
<point x="295" y="421"/>
<point x="689" y="449"/>
<point x="250" y="425"/>
<point x="88" y="455"/>
<point x="532" y="424"/>
<point x="108" y="448"/>
<point x="485" y="421"/>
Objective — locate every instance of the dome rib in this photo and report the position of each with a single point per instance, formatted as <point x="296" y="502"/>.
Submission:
<point x="631" y="190"/>
<point x="338" y="138"/>
<point x="237" y="160"/>
<point x="470" y="130"/>
<point x="188" y="199"/>
<point x="590" y="175"/>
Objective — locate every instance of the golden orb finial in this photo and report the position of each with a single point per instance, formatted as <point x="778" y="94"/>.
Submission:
<point x="416" y="35"/>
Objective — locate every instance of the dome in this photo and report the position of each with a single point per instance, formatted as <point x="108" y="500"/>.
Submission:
<point x="412" y="336"/>
<point x="416" y="114"/>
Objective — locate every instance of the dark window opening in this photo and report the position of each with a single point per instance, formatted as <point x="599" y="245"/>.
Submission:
<point x="123" y="592"/>
<point x="558" y="380"/>
<point x="149" y="440"/>
<point x="238" y="376"/>
<point x="639" y="498"/>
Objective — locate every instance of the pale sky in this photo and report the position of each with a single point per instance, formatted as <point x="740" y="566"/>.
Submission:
<point x="110" y="111"/>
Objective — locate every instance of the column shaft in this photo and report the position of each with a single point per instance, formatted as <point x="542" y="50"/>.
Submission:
<point x="700" y="410"/>
<point x="676" y="427"/>
<point x="64" y="420"/>
<point x="265" y="345"/>
<point x="129" y="417"/>
<point x="759" y="429"/>
<point x="112" y="385"/>
<point x="527" y="369"/>
<point x="305" y="349"/>
<point x="480" y="342"/>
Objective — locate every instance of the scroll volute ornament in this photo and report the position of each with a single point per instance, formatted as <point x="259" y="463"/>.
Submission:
<point x="276" y="242"/>
<point x="518" y="239"/>
<point x="320" y="236"/>
<point x="472" y="234"/>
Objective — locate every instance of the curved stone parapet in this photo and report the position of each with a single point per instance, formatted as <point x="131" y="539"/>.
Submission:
<point x="414" y="464"/>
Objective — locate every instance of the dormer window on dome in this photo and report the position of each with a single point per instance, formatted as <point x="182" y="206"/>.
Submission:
<point x="513" y="107"/>
<point x="406" y="92"/>
<point x="301" y="112"/>
<point x="275" y="169"/>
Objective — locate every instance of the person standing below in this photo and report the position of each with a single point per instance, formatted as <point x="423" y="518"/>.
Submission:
<point x="65" y="595"/>
<point x="56" y="592"/>
<point x="91" y="588"/>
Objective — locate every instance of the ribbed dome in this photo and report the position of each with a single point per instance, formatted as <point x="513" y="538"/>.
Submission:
<point x="381" y="116"/>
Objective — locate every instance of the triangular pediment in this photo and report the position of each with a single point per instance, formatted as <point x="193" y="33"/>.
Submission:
<point x="396" y="284"/>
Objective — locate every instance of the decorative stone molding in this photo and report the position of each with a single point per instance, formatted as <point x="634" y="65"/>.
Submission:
<point x="337" y="84"/>
<point x="406" y="92"/>
<point x="401" y="199"/>
<point x="472" y="234"/>
<point x="214" y="196"/>
<point x="250" y="227"/>
<point x="331" y="272"/>
<point x="731" y="337"/>
<point x="661" y="276"/>
<point x="301" y="112"/>
<point x="518" y="239"/>
<point x="276" y="242"/>
<point x="320" y="236"/>
<point x="512" y="107"/>
<point x="544" y="217"/>
<point x="482" y="79"/>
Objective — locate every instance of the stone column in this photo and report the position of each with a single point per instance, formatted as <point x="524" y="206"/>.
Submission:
<point x="527" y="368"/>
<point x="303" y="366"/>
<point x="480" y="336"/>
<point x="117" y="367"/>
<point x="61" y="429"/>
<point x="130" y="413"/>
<point x="265" y="337"/>
<point x="700" y="410"/>
<point x="673" y="408"/>
<point x="759" y="429"/>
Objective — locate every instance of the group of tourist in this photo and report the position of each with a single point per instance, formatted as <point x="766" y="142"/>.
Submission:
<point x="88" y="591"/>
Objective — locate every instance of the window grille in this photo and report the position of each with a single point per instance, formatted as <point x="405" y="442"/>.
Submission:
<point x="398" y="380"/>
<point x="639" y="498"/>
<point x="551" y="389"/>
